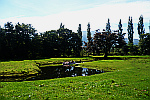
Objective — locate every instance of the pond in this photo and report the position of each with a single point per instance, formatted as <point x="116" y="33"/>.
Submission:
<point x="51" y="72"/>
<point x="64" y="71"/>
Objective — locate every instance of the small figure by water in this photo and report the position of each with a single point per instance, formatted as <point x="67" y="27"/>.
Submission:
<point x="66" y="63"/>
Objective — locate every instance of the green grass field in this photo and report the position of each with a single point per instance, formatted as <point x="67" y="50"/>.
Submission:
<point x="127" y="79"/>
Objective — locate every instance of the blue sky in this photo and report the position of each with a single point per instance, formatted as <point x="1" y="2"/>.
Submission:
<point x="47" y="15"/>
<point x="29" y="8"/>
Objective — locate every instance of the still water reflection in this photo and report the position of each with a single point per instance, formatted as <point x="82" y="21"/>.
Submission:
<point x="53" y="72"/>
<point x="65" y="71"/>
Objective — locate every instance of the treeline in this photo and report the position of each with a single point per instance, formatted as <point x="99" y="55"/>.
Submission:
<point x="112" y="42"/>
<point x="106" y="41"/>
<point x="22" y="42"/>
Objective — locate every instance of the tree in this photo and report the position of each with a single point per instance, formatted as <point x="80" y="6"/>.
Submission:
<point x="89" y="44"/>
<point x="145" y="43"/>
<point x="108" y="27"/>
<point x="70" y="42"/>
<point x="105" y="40"/>
<point x="36" y="48"/>
<point x="16" y="41"/>
<point x="64" y="34"/>
<point x="8" y="42"/>
<point x="120" y="27"/>
<point x="130" y="35"/>
<point x="140" y="28"/>
<point x="79" y="31"/>
<point x="120" y="46"/>
<point x="130" y="30"/>
<point x="9" y="26"/>
<point x="50" y="44"/>
<point x="88" y="32"/>
<point x="80" y="36"/>
<point x="141" y="31"/>
<point x="121" y="43"/>
<point x="75" y="43"/>
<point x="25" y="34"/>
<point x="3" y="43"/>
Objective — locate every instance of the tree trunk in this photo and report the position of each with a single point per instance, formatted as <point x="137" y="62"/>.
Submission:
<point x="106" y="52"/>
<point x="105" y="56"/>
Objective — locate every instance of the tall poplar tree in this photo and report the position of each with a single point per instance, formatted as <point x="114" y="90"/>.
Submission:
<point x="108" y="26"/>
<point x="120" y="27"/>
<point x="79" y="31"/>
<point x="141" y="27"/>
<point x="130" y="30"/>
<point x="141" y="32"/>
<point x="89" y="43"/>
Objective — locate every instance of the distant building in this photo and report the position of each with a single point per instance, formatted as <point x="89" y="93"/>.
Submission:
<point x="126" y="40"/>
<point x="135" y="41"/>
<point x="149" y="26"/>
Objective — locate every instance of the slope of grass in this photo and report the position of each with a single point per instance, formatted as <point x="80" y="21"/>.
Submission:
<point x="128" y="79"/>
<point x="21" y="70"/>
<point x="30" y="65"/>
<point x="18" y="68"/>
<point x="122" y="57"/>
<point x="135" y="56"/>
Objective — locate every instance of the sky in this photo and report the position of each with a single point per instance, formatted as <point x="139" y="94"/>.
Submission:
<point x="45" y="15"/>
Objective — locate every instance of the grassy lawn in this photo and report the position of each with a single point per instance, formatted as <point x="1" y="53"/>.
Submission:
<point x="18" y="68"/>
<point x="127" y="79"/>
<point x="136" y="56"/>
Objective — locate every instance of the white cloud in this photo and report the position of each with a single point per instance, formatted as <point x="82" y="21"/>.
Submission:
<point x="97" y="16"/>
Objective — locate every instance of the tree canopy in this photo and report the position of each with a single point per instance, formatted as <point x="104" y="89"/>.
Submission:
<point x="20" y="41"/>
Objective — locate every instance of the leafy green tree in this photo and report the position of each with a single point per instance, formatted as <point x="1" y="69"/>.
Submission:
<point x="8" y="40"/>
<point x="36" y="48"/>
<point x="15" y="41"/>
<point x="104" y="41"/>
<point x="3" y="43"/>
<point x="145" y="43"/>
<point x="25" y="33"/>
<point x="64" y="37"/>
<point x="51" y="44"/>
<point x="9" y="27"/>
<point x="21" y="42"/>
<point x="76" y="43"/>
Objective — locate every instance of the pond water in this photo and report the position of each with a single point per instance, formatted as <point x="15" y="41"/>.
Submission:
<point x="52" y="72"/>
<point x="64" y="71"/>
